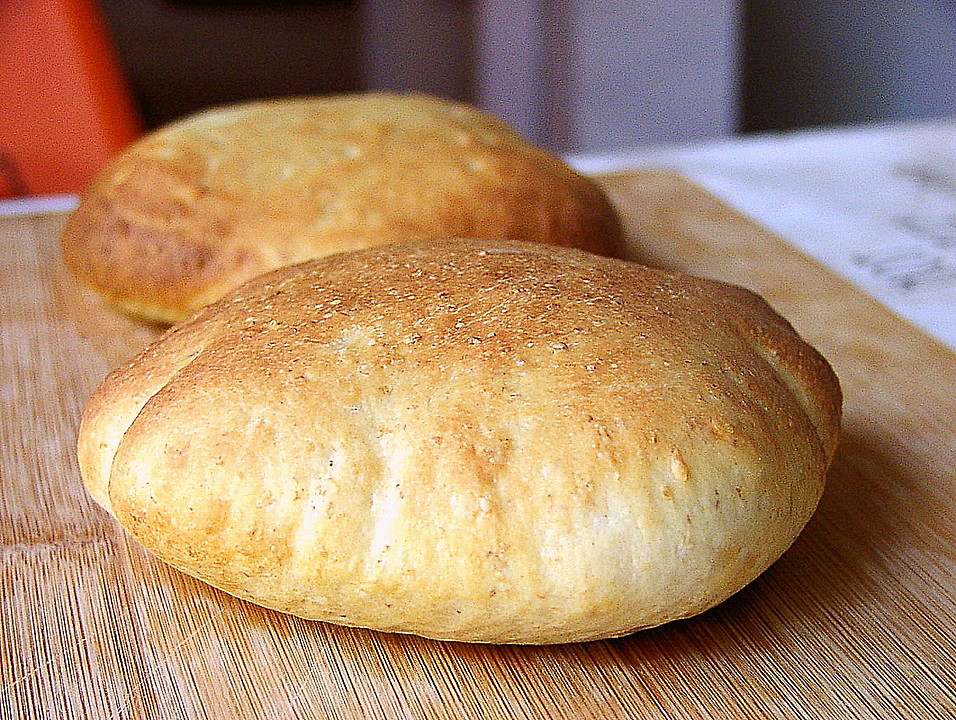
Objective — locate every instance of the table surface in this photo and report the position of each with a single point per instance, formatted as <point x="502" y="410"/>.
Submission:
<point x="857" y="620"/>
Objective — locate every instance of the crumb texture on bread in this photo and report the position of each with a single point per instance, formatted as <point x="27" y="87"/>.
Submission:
<point x="492" y="442"/>
<point x="196" y="208"/>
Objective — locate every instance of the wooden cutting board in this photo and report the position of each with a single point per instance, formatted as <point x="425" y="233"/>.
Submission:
<point x="857" y="620"/>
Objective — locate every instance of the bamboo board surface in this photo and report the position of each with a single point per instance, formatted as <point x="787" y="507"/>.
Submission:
<point x="857" y="620"/>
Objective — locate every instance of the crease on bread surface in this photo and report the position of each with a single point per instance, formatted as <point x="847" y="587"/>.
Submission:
<point x="128" y="388"/>
<point x="472" y="441"/>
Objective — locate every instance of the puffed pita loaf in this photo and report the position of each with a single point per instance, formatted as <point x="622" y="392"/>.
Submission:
<point x="489" y="442"/>
<point x="201" y="205"/>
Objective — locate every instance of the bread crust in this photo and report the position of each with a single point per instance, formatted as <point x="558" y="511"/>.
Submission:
<point x="487" y="442"/>
<point x="200" y="206"/>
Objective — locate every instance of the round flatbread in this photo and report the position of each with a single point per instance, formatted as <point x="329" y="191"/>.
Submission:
<point x="492" y="442"/>
<point x="198" y="207"/>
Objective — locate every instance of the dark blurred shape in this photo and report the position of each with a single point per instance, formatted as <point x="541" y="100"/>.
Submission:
<point x="185" y="55"/>
<point x="255" y="4"/>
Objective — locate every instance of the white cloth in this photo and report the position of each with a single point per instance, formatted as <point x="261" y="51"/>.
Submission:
<point x="875" y="204"/>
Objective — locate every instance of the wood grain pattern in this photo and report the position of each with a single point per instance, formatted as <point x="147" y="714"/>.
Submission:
<point x="857" y="620"/>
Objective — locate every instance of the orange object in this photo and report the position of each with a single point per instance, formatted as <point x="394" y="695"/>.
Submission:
<point x="64" y="106"/>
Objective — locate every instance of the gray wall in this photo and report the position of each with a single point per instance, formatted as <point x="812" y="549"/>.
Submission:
<point x="827" y="62"/>
<point x="573" y="75"/>
<point x="600" y="74"/>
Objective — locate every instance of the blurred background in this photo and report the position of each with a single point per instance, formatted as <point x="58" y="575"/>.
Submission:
<point x="574" y="76"/>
